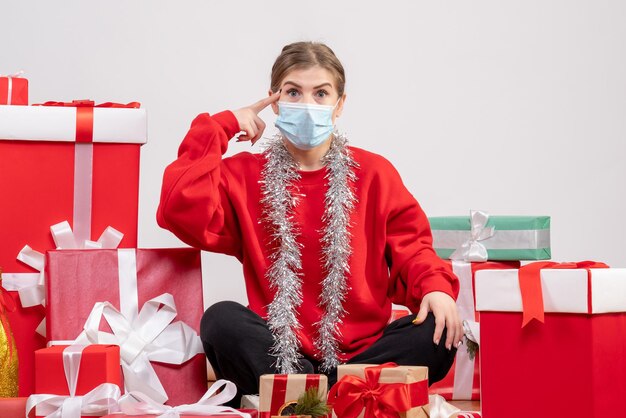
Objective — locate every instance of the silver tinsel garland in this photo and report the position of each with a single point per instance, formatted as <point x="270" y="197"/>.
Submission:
<point x="279" y="197"/>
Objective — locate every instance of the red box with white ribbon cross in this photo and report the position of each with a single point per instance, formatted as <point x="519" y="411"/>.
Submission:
<point x="77" y="165"/>
<point x="13" y="89"/>
<point x="63" y="372"/>
<point x="148" y="301"/>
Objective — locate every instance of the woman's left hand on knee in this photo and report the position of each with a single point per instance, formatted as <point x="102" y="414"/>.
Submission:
<point x="446" y="315"/>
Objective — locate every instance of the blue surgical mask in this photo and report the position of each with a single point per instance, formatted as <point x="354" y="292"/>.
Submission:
<point x="305" y="125"/>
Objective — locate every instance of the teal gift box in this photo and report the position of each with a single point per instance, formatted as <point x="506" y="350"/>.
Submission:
<point x="480" y="237"/>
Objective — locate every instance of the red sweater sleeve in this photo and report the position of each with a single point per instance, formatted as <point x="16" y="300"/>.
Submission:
<point x="195" y="203"/>
<point x="415" y="268"/>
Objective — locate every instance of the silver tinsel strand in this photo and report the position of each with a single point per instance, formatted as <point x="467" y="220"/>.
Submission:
<point x="278" y="176"/>
<point x="284" y="275"/>
<point x="336" y="249"/>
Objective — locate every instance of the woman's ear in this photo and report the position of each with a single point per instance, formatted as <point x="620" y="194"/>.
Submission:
<point x="339" y="108"/>
<point x="274" y="104"/>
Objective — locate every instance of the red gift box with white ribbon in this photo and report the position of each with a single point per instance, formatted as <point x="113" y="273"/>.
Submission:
<point x="553" y="336"/>
<point x="75" y="381"/>
<point x="13" y="89"/>
<point x="148" y="301"/>
<point x="74" y="166"/>
<point x="463" y="380"/>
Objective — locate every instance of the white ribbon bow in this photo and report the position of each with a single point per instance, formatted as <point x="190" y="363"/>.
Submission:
<point x="31" y="286"/>
<point x="101" y="400"/>
<point x="15" y="75"/>
<point x="438" y="407"/>
<point x="137" y="403"/>
<point x="472" y="249"/>
<point x="150" y="336"/>
<point x="471" y="330"/>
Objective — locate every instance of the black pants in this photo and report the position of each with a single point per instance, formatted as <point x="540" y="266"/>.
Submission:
<point x="237" y="342"/>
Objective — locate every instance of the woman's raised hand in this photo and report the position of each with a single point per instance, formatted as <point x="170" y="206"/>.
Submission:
<point x="249" y="121"/>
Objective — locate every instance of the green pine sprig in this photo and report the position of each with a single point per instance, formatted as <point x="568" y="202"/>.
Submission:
<point x="472" y="348"/>
<point x="310" y="403"/>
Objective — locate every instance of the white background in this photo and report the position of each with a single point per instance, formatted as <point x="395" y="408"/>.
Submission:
<point x="514" y="107"/>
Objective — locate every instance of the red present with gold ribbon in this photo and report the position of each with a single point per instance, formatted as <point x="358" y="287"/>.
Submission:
<point x="463" y="380"/>
<point x="74" y="165"/>
<point x="553" y="335"/>
<point x="277" y="391"/>
<point x="13" y="89"/>
<point x="379" y="391"/>
<point x="148" y="301"/>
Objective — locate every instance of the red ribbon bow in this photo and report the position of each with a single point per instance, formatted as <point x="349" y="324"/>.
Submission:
<point x="351" y="394"/>
<point x="530" y="285"/>
<point x="84" y="115"/>
<point x="6" y="305"/>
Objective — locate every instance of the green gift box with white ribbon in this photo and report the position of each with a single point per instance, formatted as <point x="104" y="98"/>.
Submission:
<point x="480" y="237"/>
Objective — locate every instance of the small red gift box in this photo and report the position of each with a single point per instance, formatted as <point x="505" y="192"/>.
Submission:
<point x="140" y="287"/>
<point x="13" y="90"/>
<point x="279" y="390"/>
<point x="572" y="363"/>
<point x="76" y="164"/>
<point x="97" y="364"/>
<point x="463" y="380"/>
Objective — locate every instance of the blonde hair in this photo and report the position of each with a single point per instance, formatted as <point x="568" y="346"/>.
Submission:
<point x="303" y="55"/>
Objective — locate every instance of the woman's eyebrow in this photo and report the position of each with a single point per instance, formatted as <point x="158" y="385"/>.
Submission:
<point x="314" y="88"/>
<point x="294" y="84"/>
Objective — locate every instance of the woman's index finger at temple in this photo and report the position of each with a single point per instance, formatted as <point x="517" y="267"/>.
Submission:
<point x="263" y="103"/>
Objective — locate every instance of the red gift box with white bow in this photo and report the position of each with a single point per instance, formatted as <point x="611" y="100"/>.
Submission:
<point x="90" y="375"/>
<point x="148" y="301"/>
<point x="13" y="89"/>
<point x="73" y="166"/>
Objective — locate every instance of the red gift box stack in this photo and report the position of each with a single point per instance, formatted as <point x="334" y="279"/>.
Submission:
<point x="72" y="171"/>
<point x="78" y="164"/>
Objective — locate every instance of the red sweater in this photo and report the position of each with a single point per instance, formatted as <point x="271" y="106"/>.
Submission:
<point x="213" y="204"/>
